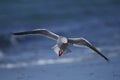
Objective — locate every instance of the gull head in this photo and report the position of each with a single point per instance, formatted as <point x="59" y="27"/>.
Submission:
<point x="64" y="40"/>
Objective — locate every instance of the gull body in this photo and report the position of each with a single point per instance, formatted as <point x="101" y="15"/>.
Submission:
<point x="61" y="46"/>
<point x="62" y="43"/>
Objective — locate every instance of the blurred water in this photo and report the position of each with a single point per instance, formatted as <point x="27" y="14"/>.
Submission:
<point x="97" y="21"/>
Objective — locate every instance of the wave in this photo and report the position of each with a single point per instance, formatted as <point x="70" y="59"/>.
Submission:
<point x="67" y="60"/>
<point x="42" y="62"/>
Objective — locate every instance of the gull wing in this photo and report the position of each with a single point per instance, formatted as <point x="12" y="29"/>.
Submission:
<point x="39" y="31"/>
<point x="82" y="41"/>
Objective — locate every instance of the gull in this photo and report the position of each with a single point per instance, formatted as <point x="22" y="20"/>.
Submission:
<point x="62" y="42"/>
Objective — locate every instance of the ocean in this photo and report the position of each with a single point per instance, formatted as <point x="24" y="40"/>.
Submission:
<point x="96" y="20"/>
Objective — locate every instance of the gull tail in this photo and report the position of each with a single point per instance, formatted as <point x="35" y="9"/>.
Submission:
<point x="56" y="49"/>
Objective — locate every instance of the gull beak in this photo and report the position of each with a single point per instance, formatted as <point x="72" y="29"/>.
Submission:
<point x="60" y="52"/>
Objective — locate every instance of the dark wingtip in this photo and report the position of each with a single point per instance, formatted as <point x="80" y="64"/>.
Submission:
<point x="14" y="33"/>
<point x="20" y="33"/>
<point x="107" y="60"/>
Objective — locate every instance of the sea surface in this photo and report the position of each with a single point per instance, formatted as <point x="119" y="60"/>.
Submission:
<point x="96" y="20"/>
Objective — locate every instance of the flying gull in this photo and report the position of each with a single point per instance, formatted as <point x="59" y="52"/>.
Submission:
<point x="62" y="42"/>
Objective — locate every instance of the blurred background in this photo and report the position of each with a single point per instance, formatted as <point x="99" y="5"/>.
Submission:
<point x="96" y="20"/>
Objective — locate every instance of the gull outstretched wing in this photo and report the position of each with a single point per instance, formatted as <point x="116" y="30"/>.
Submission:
<point x="39" y="31"/>
<point x="82" y="41"/>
